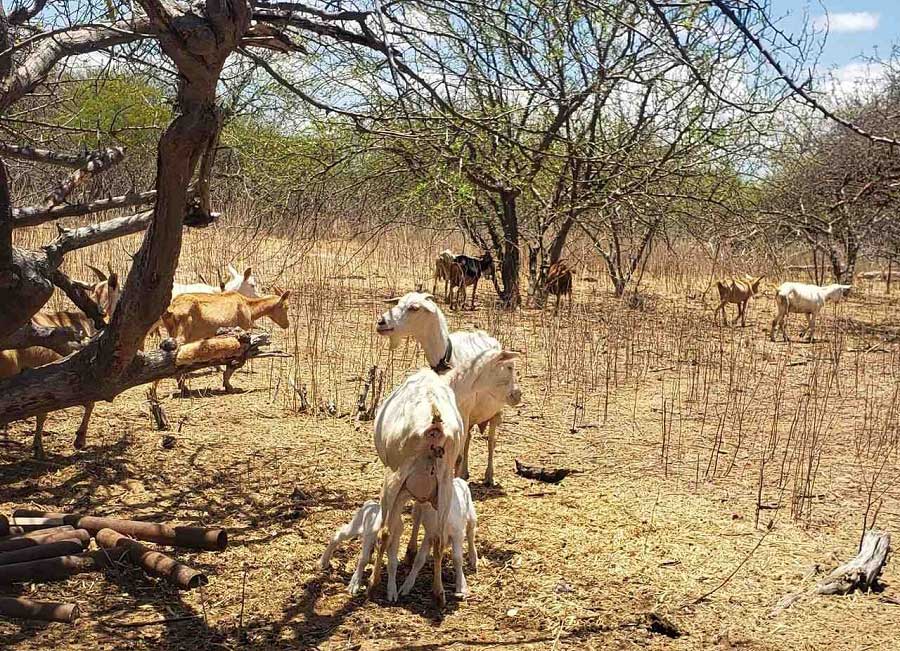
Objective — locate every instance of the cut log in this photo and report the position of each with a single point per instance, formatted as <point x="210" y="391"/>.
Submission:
<point x="151" y="561"/>
<point x="46" y="537"/>
<point x="862" y="571"/>
<point x="61" y="567"/>
<point x="548" y="475"/>
<point x="47" y="611"/>
<point x="36" y="552"/>
<point x="195" y="537"/>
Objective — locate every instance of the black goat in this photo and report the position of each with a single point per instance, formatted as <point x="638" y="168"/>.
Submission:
<point x="466" y="271"/>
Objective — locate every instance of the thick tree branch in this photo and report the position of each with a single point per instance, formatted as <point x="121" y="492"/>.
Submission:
<point x="25" y="152"/>
<point x="33" y="69"/>
<point x="78" y="238"/>
<point x="25" y="13"/>
<point x="35" y="215"/>
<point x="61" y="340"/>
<point x="73" y="381"/>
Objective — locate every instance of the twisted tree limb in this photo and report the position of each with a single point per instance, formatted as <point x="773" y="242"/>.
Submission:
<point x="97" y="162"/>
<point x="62" y="340"/>
<point x="62" y="385"/>
<point x="35" y="215"/>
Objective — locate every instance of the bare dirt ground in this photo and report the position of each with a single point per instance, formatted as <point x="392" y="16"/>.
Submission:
<point x="670" y="420"/>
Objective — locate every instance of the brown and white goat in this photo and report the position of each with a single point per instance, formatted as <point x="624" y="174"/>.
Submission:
<point x="443" y="267"/>
<point x="192" y="317"/>
<point x="739" y="292"/>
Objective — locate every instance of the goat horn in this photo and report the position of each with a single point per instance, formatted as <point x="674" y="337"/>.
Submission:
<point x="392" y="301"/>
<point x="97" y="272"/>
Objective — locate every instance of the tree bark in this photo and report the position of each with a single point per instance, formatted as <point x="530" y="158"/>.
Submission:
<point x="61" y="340"/>
<point x="509" y="265"/>
<point x="862" y="571"/>
<point x="62" y="385"/>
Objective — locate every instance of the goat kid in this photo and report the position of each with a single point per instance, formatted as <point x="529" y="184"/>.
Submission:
<point x="106" y="294"/>
<point x="739" y="292"/>
<point x="461" y="526"/>
<point x="192" y="317"/>
<point x="365" y="524"/>
<point x="466" y="271"/>
<point x="800" y="298"/>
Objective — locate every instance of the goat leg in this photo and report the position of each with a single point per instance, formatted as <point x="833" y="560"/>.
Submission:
<point x="81" y="434"/>
<point x="38" y="444"/>
<point x="230" y="368"/>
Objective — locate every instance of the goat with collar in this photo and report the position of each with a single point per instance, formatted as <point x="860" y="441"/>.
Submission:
<point x="416" y="315"/>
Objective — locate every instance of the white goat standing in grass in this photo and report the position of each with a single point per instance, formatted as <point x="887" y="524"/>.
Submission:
<point x="418" y="435"/>
<point x="461" y="526"/>
<point x="800" y="298"/>
<point x="416" y="315"/>
<point x="365" y="525"/>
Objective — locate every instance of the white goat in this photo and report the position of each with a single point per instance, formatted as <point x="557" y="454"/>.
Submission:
<point x="365" y="525"/>
<point x="418" y="435"/>
<point x="242" y="283"/>
<point x="801" y="298"/>
<point x="461" y="526"/>
<point x="443" y="266"/>
<point x="416" y="315"/>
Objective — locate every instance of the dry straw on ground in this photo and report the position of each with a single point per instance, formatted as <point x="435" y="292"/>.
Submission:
<point x="691" y="439"/>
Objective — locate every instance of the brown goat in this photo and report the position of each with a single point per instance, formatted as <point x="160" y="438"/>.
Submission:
<point x="13" y="362"/>
<point x="739" y="292"/>
<point x="558" y="280"/>
<point x="105" y="293"/>
<point x="192" y="317"/>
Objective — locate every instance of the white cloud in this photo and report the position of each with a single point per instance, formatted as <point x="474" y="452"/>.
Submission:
<point x="847" y="23"/>
<point x="855" y="80"/>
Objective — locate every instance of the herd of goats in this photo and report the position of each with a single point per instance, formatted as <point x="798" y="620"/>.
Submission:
<point x="422" y="427"/>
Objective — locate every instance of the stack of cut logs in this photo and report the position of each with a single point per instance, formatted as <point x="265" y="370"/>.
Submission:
<point x="40" y="546"/>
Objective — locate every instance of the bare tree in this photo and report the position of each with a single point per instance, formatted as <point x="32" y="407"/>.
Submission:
<point x="197" y="40"/>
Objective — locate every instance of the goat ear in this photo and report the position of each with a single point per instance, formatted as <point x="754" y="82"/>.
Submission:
<point x="113" y="281"/>
<point x="507" y="355"/>
<point x="430" y="297"/>
<point x="392" y="301"/>
<point x="247" y="273"/>
<point x="100" y="275"/>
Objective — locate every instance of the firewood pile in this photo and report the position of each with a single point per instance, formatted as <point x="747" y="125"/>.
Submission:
<point x="38" y="546"/>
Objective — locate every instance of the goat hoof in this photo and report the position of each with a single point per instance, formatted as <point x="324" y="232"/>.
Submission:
<point x="39" y="454"/>
<point x="439" y="599"/>
<point x="80" y="441"/>
<point x="392" y="595"/>
<point x="461" y="595"/>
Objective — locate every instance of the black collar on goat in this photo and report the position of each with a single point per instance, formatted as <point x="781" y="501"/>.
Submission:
<point x="444" y="364"/>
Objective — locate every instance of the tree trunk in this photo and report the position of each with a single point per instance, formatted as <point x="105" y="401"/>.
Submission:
<point x="559" y="242"/>
<point x="199" y="45"/>
<point x="862" y="571"/>
<point x="509" y="265"/>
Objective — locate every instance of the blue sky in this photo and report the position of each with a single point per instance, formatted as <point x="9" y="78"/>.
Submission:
<point x="857" y="30"/>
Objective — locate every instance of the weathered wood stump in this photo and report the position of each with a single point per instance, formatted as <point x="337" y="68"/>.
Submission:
<point x="862" y="571"/>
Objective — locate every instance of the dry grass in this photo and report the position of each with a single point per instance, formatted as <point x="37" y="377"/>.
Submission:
<point x="682" y="430"/>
